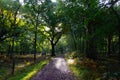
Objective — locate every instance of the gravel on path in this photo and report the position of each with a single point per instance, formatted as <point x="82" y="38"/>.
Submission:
<point x="57" y="69"/>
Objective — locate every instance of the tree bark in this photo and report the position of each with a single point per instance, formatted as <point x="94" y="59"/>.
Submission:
<point x="9" y="49"/>
<point x="91" y="51"/>
<point x="81" y="45"/>
<point x="12" y="57"/>
<point x="35" y="38"/>
<point x="53" y="49"/>
<point x="73" y="37"/>
<point x="13" y="65"/>
<point x="35" y="42"/>
<point x="119" y="42"/>
<point x="109" y="45"/>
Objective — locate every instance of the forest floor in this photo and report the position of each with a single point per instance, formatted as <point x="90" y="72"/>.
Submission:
<point x="22" y="63"/>
<point x="57" y="69"/>
<point x="104" y="68"/>
<point x="68" y="67"/>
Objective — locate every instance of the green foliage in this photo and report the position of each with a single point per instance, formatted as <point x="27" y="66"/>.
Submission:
<point x="90" y="28"/>
<point x="71" y="55"/>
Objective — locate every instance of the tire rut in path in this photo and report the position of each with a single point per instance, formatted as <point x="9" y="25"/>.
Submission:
<point x="57" y="69"/>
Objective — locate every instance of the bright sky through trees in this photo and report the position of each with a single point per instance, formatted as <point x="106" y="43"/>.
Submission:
<point x="22" y="2"/>
<point x="53" y="0"/>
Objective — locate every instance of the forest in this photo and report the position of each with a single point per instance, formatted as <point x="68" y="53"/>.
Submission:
<point x="82" y="35"/>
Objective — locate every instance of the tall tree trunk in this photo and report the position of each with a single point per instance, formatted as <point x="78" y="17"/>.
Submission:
<point x="53" y="49"/>
<point x="35" y="38"/>
<point x="13" y="65"/>
<point x="13" y="40"/>
<point x="74" y="39"/>
<point x="109" y="45"/>
<point x="91" y="47"/>
<point x="81" y="45"/>
<point x="9" y="49"/>
<point x="119" y="42"/>
<point x="21" y="49"/>
<point x="85" y="41"/>
<point x="91" y="50"/>
<point x="35" y="42"/>
<point x="12" y="57"/>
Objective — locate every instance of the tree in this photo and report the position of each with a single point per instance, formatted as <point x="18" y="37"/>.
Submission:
<point x="33" y="11"/>
<point x="13" y="8"/>
<point x="86" y="16"/>
<point x="54" y="26"/>
<point x="113" y="2"/>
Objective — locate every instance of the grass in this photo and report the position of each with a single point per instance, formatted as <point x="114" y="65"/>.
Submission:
<point x="83" y="73"/>
<point x="21" y="61"/>
<point x="2" y="72"/>
<point x="28" y="72"/>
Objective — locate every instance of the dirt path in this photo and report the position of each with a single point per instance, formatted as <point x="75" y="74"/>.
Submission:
<point x="57" y="69"/>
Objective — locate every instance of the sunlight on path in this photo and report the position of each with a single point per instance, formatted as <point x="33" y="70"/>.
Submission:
<point x="70" y="61"/>
<point x="61" y="65"/>
<point x="57" y="69"/>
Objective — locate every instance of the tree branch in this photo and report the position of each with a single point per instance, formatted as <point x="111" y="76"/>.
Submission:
<point x="60" y="34"/>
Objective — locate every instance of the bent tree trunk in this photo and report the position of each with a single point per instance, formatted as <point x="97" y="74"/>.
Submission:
<point x="53" y="43"/>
